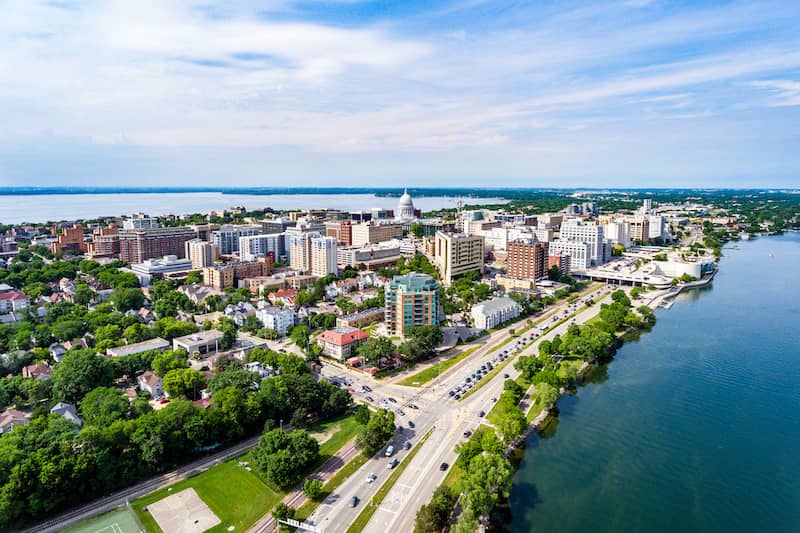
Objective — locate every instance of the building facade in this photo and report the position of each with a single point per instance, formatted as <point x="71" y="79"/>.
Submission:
<point x="526" y="259"/>
<point x="323" y="256"/>
<point x="201" y="253"/>
<point x="221" y="276"/>
<point x="578" y="252"/>
<point x="374" y="232"/>
<point x="136" y="246"/>
<point x="492" y="313"/>
<point x="227" y="237"/>
<point x="272" y="245"/>
<point x="456" y="254"/>
<point x="411" y="300"/>
<point x="276" y="318"/>
<point x="339" y="343"/>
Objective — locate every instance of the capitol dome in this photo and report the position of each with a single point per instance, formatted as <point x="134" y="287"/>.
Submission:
<point x="405" y="208"/>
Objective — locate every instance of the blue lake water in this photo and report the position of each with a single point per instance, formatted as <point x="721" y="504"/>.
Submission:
<point x="695" y="426"/>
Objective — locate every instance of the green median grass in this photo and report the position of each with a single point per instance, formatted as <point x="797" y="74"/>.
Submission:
<point x="421" y="378"/>
<point x="365" y="516"/>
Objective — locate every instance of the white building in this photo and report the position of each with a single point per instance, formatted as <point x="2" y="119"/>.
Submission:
<point x="619" y="232"/>
<point x="140" y="222"/>
<point x="498" y="238"/>
<point x="405" y="209"/>
<point x="276" y="318"/>
<point x="151" y="268"/>
<point x="300" y="250"/>
<point x="201" y="253"/>
<point x="227" y="237"/>
<point x="323" y="256"/>
<point x="657" y="228"/>
<point x="492" y="313"/>
<point x="578" y="252"/>
<point x="592" y="234"/>
<point x="251" y="247"/>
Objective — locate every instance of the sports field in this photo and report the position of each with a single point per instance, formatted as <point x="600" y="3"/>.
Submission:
<point x="119" y="521"/>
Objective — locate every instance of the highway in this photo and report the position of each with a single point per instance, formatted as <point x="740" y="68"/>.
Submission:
<point x="448" y="417"/>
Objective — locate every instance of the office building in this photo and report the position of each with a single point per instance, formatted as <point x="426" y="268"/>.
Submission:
<point x="374" y="256"/>
<point x="456" y="254"/>
<point x="201" y="253"/>
<point x="149" y="269"/>
<point x="619" y="232"/>
<point x="411" y="300"/>
<point x="526" y="259"/>
<point x="227" y="237"/>
<point x="137" y="246"/>
<point x="341" y="231"/>
<point x="323" y="256"/>
<point x="640" y="229"/>
<point x="656" y="228"/>
<point x="272" y="245"/>
<point x="579" y="253"/>
<point x="492" y="313"/>
<point x="590" y="233"/>
<point x="277" y="225"/>
<point x="375" y="232"/>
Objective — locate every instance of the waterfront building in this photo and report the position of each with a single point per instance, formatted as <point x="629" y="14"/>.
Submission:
<point x="323" y="256"/>
<point x="136" y="246"/>
<point x="227" y="237"/>
<point x="411" y="300"/>
<point x="456" y="254"/>
<point x="527" y="259"/>
<point x="201" y="253"/>
<point x="492" y="313"/>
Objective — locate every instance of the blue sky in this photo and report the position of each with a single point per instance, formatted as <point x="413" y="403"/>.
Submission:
<point x="348" y="92"/>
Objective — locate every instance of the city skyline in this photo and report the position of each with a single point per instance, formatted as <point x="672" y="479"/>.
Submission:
<point x="356" y="93"/>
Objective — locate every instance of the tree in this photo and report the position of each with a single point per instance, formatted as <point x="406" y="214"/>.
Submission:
<point x="375" y="348"/>
<point x="313" y="489"/>
<point x="487" y="480"/>
<point x="362" y="414"/>
<point x="137" y="333"/>
<point x="284" y="456"/>
<point x="546" y="395"/>
<point x="79" y="372"/>
<point x="377" y="432"/>
<point x="195" y="276"/>
<point x="104" y="405"/>
<point x="184" y="383"/>
<point x="435" y="515"/>
<point x="163" y="362"/>
<point x="127" y="298"/>
<point x="83" y="294"/>
<point x="417" y="230"/>
<point x="283" y="512"/>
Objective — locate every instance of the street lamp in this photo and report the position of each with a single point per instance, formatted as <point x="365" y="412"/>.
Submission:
<point x="281" y="424"/>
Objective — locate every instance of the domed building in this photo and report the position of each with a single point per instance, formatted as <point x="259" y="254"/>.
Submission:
<point x="405" y="209"/>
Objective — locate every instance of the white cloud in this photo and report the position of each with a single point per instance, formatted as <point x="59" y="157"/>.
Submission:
<point x="786" y="92"/>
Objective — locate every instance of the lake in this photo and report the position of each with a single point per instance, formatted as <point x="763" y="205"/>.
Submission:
<point x="40" y="208"/>
<point x="694" y="427"/>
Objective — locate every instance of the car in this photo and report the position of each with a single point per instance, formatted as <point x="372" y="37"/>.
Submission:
<point x="467" y="433"/>
<point x="389" y="451"/>
<point x="392" y="400"/>
<point x="407" y="445"/>
<point x="362" y="390"/>
<point x="411" y="405"/>
<point x="354" y="501"/>
<point x="481" y="414"/>
<point x="443" y="466"/>
<point x="457" y="397"/>
<point x="370" y="399"/>
<point x="393" y="463"/>
<point x="451" y="393"/>
<point x="371" y="477"/>
<point x="401" y="412"/>
<point x="505" y="376"/>
<point x="399" y="429"/>
<point x="366" y="388"/>
<point x="494" y="399"/>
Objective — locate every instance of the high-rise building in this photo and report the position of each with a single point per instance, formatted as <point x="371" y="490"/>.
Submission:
<point x="559" y="260"/>
<point x="323" y="256"/>
<point x="375" y="232"/>
<point x="619" y="232"/>
<point x="201" y="253"/>
<point x="578" y="251"/>
<point x="526" y="259"/>
<point x="456" y="254"/>
<point x="227" y="237"/>
<point x="105" y="242"/>
<point x="221" y="276"/>
<point x="592" y="234"/>
<point x="272" y="245"/>
<point x="647" y="205"/>
<point x="300" y="251"/>
<point x="656" y="228"/>
<point x="640" y="229"/>
<point x="341" y="231"/>
<point x="69" y="240"/>
<point x="136" y="246"/>
<point x="140" y="221"/>
<point x="277" y="225"/>
<point x="411" y="300"/>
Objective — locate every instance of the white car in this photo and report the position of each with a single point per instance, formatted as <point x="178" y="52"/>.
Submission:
<point x="371" y="477"/>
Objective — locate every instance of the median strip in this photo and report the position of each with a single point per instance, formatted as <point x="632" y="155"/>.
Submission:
<point x="363" y="519"/>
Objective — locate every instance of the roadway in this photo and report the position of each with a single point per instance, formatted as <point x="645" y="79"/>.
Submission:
<point x="448" y="418"/>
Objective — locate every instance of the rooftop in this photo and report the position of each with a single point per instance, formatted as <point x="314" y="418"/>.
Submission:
<point x="151" y="344"/>
<point x="343" y="336"/>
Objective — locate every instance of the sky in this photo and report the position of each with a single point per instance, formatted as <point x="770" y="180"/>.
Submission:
<point x="608" y="93"/>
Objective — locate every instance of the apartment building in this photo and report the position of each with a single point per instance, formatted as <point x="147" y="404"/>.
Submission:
<point x="411" y="300"/>
<point x="526" y="259"/>
<point x="492" y="313"/>
<point x="69" y="240"/>
<point x="456" y="254"/>
<point x="383" y="255"/>
<point x="579" y="253"/>
<point x="342" y="231"/>
<point x="136" y="246"/>
<point x="323" y="256"/>
<point x="221" y="276"/>
<point x="201" y="253"/>
<point x="373" y="232"/>
<point x="272" y="245"/>
<point x="227" y="237"/>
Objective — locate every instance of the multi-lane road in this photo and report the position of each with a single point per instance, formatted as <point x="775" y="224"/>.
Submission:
<point x="435" y="409"/>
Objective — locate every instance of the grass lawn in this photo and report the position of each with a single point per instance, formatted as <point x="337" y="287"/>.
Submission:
<point x="421" y="378"/>
<point x="239" y="497"/>
<point x="236" y="496"/>
<point x="119" y="521"/>
<point x="365" y="516"/>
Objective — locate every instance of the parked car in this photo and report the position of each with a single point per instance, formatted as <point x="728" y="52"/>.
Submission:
<point x="411" y="424"/>
<point x="481" y="414"/>
<point x="467" y="434"/>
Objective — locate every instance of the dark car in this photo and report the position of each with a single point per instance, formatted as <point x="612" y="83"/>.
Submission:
<point x="481" y="413"/>
<point x="467" y="433"/>
<point x="392" y="400"/>
<point x="443" y="466"/>
<point x="407" y="446"/>
<point x="410" y="424"/>
<point x="366" y="388"/>
<point x="370" y="399"/>
<point x="354" y="501"/>
<point x="505" y="376"/>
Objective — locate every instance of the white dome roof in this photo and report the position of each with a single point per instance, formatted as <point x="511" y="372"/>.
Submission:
<point x="405" y="200"/>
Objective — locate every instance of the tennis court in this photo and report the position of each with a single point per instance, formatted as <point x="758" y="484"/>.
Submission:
<point x="119" y="521"/>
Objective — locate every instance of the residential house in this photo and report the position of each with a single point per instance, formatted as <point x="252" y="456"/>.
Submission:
<point x="239" y="312"/>
<point x="261" y="370"/>
<point x="37" y="371"/>
<point x="12" y="418"/>
<point x="68" y="411"/>
<point x="283" y="296"/>
<point x="151" y="383"/>
<point x="13" y="301"/>
<point x="57" y="352"/>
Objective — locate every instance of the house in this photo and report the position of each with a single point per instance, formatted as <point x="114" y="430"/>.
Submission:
<point x="12" y="418"/>
<point x="146" y="315"/>
<point x="151" y="383"/>
<point x="338" y="343"/>
<point x="197" y="292"/>
<point x="283" y="296"/>
<point x="261" y="370"/>
<point x="15" y="301"/>
<point x="68" y="411"/>
<point x="37" y="371"/>
<point x="239" y="312"/>
<point x="275" y="318"/>
<point x="57" y="352"/>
